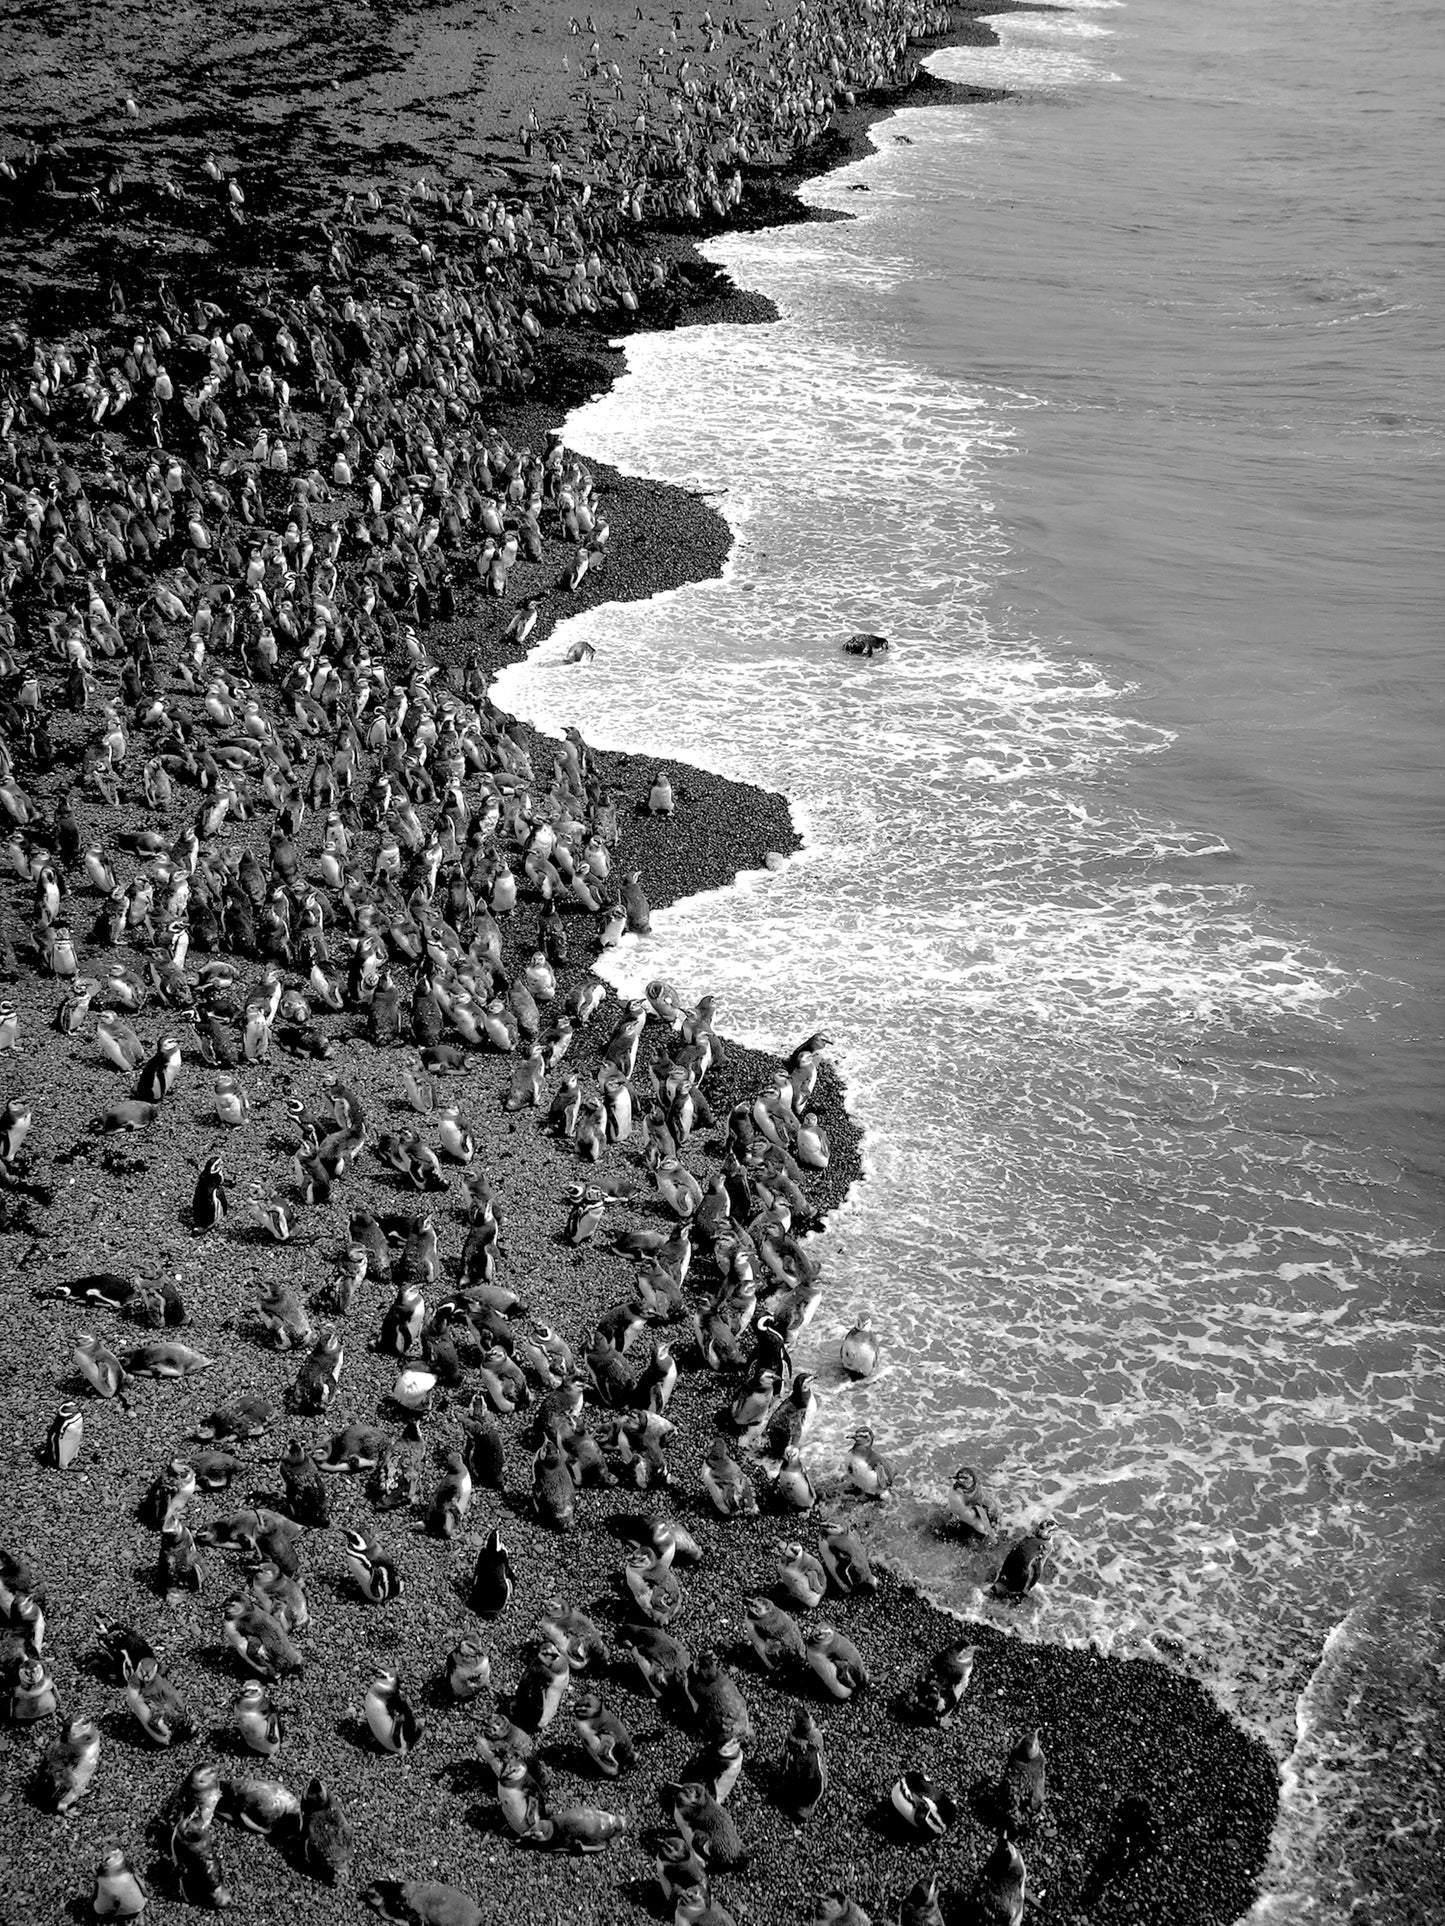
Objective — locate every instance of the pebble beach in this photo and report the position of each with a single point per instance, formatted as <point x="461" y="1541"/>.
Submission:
<point x="285" y="486"/>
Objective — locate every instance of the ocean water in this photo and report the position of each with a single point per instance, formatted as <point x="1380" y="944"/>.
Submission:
<point x="1119" y="406"/>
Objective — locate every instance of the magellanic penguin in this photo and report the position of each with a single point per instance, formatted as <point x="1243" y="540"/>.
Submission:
<point x="393" y="1724"/>
<point x="803" y="1773"/>
<point x="1023" y="1567"/>
<point x="858" y="1353"/>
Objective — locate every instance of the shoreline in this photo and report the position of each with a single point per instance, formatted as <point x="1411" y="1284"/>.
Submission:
<point x="1112" y="1728"/>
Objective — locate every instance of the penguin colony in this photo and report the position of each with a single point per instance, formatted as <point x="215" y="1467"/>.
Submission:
<point x="294" y="881"/>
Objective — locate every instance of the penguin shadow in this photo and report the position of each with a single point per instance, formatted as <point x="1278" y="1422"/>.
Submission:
<point x="226" y="1740"/>
<point x="356" y="1733"/>
<point x="220" y="1661"/>
<point x="118" y="1727"/>
<point x="485" y="1816"/>
<point x="989" y="1805"/>
<point x="93" y="1662"/>
<point x="467" y="1778"/>
<point x="646" y="1894"/>
<point x="573" y="1758"/>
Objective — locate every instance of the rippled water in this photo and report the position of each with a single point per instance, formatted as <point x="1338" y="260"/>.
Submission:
<point x="1119" y="407"/>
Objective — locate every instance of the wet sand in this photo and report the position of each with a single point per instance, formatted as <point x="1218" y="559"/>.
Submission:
<point x="81" y="1202"/>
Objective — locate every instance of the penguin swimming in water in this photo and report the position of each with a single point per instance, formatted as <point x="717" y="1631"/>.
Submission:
<point x="858" y="1353"/>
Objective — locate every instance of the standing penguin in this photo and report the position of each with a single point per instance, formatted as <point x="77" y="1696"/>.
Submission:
<point x="803" y="1773"/>
<point x="117" y="1893"/>
<point x="492" y="1579"/>
<point x="1002" y="1887"/>
<point x="64" y="1438"/>
<point x="1023" y="1787"/>
<point x="210" y="1203"/>
<point x="639" y="916"/>
<point x="393" y="1724"/>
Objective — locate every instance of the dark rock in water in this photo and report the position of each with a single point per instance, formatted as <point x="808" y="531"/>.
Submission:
<point x="864" y="644"/>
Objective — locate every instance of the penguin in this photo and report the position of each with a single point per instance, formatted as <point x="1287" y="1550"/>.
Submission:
<point x="232" y="1104"/>
<point x="520" y="1799"/>
<point x="32" y="1696"/>
<point x="319" y="1378"/>
<point x="726" y="1484"/>
<point x="801" y="1576"/>
<point x="573" y="1634"/>
<point x="99" y="1365"/>
<point x="858" y="1353"/>
<point x="257" y="1722"/>
<point x="493" y="1580"/>
<point x="609" y="1744"/>
<point x="837" y="1661"/>
<point x="1001" y="1891"/>
<point x="307" y="1496"/>
<point x="940" y="1692"/>
<point x="422" y="1902"/>
<point x="68" y="1766"/>
<point x="259" y="1639"/>
<point x="393" y="1723"/>
<point x="374" y="1570"/>
<point x="554" y="1495"/>
<point x="526" y="1084"/>
<point x="868" y="1472"/>
<point x="922" y="1805"/>
<point x="538" y="1697"/>
<point x="327" y="1842"/>
<point x="920" y="1903"/>
<point x="584" y="1218"/>
<point x="718" y="1767"/>
<point x="484" y="1452"/>
<point x="846" y="1561"/>
<point x="1023" y="1566"/>
<point x="178" y="1563"/>
<point x="157" y="1076"/>
<point x="155" y="1703"/>
<point x="660" y="800"/>
<point x="839" y="1908"/>
<point x="402" y="1326"/>
<point x="706" y="1824"/>
<point x="970" y="1505"/>
<point x="662" y="1660"/>
<point x="210" y="1203"/>
<point x="468" y="1670"/>
<point x="259" y="1805"/>
<point x="803" y="1769"/>
<point x="655" y="1588"/>
<point x="812" y="1148"/>
<point x="772" y="1633"/>
<point x="15" y="1124"/>
<point x="452" y="1498"/>
<point x="700" y="1909"/>
<point x="793" y="1488"/>
<point x="713" y="1693"/>
<point x="680" y="1869"/>
<point x="634" y="903"/>
<point x="64" y="1438"/>
<point x="117" y="1894"/>
<point x="1023" y="1787"/>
